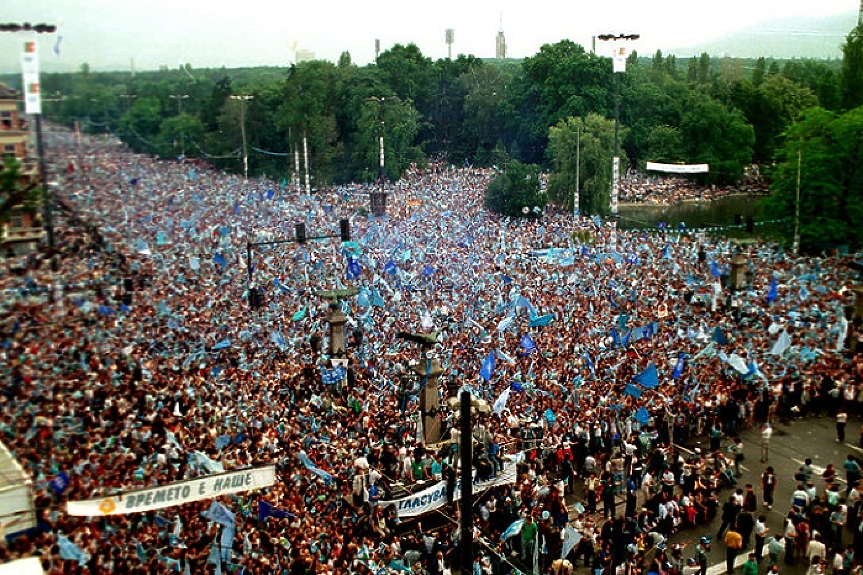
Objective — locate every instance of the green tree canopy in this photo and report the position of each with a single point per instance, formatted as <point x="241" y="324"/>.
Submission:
<point x="516" y="191"/>
<point x="827" y="150"/>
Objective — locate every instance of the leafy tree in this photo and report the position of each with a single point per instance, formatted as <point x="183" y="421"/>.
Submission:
<point x="594" y="137"/>
<point x="717" y="135"/>
<point x="827" y="149"/>
<point x="398" y="122"/>
<point x="852" y="69"/>
<point x="12" y="192"/>
<point x="515" y="191"/>
<point x="760" y="71"/>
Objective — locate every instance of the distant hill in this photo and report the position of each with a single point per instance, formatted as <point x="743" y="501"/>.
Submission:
<point x="813" y="37"/>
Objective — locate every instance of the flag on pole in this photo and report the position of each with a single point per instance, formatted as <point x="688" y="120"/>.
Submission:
<point x="782" y="344"/>
<point x="527" y="344"/>
<point x="772" y="291"/>
<point x="679" y="366"/>
<point x="632" y="390"/>
<point x="648" y="378"/>
<point x="487" y="368"/>
<point x="500" y="402"/>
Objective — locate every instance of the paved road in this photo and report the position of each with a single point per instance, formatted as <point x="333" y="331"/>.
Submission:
<point x="791" y="444"/>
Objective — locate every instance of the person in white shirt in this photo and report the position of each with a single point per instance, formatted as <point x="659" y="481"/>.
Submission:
<point x="816" y="548"/>
<point x="766" y="434"/>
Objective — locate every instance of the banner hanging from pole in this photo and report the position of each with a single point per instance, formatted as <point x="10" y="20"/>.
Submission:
<point x="30" y="73"/>
<point x="176" y="493"/>
<point x="435" y="496"/>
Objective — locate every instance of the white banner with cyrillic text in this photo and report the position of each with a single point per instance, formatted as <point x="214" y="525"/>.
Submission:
<point x="176" y="493"/>
<point x="678" y="168"/>
<point x="435" y="496"/>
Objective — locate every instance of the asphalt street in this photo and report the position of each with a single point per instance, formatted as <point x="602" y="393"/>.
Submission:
<point x="791" y="444"/>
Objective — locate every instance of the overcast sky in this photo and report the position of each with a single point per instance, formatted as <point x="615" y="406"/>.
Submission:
<point x="109" y="34"/>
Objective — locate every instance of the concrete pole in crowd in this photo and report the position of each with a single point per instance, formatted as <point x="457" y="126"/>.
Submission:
<point x="243" y="99"/>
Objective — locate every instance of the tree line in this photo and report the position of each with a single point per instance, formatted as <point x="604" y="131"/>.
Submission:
<point x="721" y="111"/>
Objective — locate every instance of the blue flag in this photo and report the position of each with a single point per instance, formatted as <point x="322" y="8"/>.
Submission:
<point x="390" y="267"/>
<point x="60" y="483"/>
<point x="542" y="320"/>
<point x="714" y="269"/>
<point x="266" y="509"/>
<point x="678" y="367"/>
<point x="70" y="551"/>
<point x="377" y="300"/>
<point x="589" y="362"/>
<point x="487" y="368"/>
<point x="648" y="378"/>
<point x="354" y="269"/>
<point x="632" y="390"/>
<point x="220" y="260"/>
<point x="642" y="416"/>
<point x="719" y="336"/>
<point x="772" y="291"/>
<point x="527" y="344"/>
<point x="428" y="271"/>
<point x="304" y="459"/>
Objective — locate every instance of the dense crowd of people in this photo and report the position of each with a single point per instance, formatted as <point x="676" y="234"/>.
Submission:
<point x="152" y="368"/>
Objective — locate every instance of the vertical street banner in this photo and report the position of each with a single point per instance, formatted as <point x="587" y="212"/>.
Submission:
<point x="30" y="73"/>
<point x="619" y="59"/>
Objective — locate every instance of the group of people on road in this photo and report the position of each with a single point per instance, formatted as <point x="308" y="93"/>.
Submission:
<point x="139" y="362"/>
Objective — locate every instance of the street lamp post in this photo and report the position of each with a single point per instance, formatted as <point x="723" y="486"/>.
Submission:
<point x="618" y="68"/>
<point x="243" y="99"/>
<point x="180" y="98"/>
<point x="466" y="405"/>
<point x="33" y="106"/>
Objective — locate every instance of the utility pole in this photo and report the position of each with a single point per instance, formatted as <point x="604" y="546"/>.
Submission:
<point x="577" y="194"/>
<point x="306" y="160"/>
<point x="180" y="98"/>
<point x="243" y="99"/>
<point x="796" y="247"/>
<point x="618" y="68"/>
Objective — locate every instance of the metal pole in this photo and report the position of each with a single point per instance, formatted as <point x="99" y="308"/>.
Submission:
<point x="306" y="160"/>
<point x="243" y="132"/>
<point x="576" y="197"/>
<point x="466" y="448"/>
<point x="46" y="199"/>
<point x="615" y="166"/>
<point x="797" y="206"/>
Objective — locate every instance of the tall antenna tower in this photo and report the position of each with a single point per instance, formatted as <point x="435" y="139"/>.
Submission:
<point x="450" y="38"/>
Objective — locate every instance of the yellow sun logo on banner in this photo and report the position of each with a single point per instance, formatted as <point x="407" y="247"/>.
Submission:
<point x="107" y="506"/>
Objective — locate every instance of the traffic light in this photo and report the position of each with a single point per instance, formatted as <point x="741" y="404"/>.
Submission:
<point x="300" y="233"/>
<point x="345" y="229"/>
